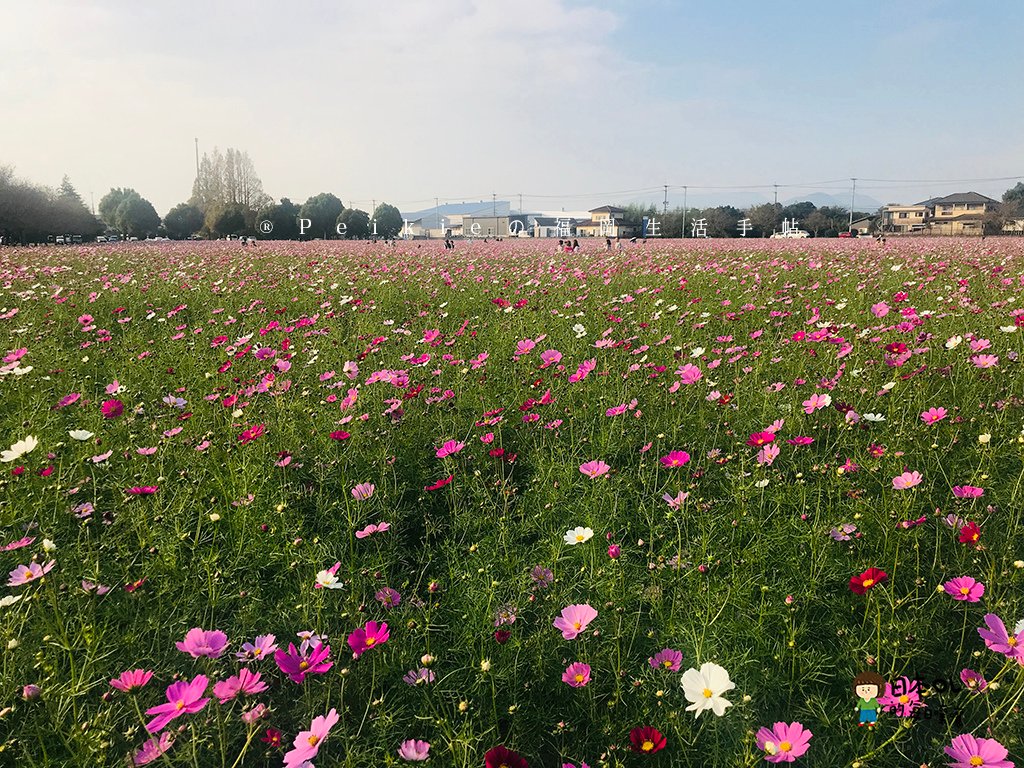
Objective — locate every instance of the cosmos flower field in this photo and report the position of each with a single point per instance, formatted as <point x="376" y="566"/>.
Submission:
<point x="356" y="504"/>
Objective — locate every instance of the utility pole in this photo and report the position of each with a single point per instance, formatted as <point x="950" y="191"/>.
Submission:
<point x="93" y="201"/>
<point x="494" y="204"/>
<point x="666" y="199"/>
<point x="684" y="210"/>
<point x="776" y="193"/>
<point x="197" y="158"/>
<point x="853" y="198"/>
<point x="437" y="213"/>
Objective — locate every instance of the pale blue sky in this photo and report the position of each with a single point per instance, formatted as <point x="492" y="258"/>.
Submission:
<point x="573" y="103"/>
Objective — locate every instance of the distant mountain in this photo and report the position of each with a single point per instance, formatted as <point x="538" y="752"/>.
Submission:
<point x="820" y="200"/>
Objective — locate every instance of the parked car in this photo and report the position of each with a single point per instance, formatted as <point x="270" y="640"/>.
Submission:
<point x="101" y="239"/>
<point x="113" y="238"/>
<point x="76" y="239"/>
<point x="791" y="234"/>
<point x="60" y="239"/>
<point x="847" y="234"/>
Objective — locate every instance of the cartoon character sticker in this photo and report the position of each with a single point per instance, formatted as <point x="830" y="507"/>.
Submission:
<point x="868" y="686"/>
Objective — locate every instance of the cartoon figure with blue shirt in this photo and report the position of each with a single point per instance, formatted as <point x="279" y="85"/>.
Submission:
<point x="868" y="686"/>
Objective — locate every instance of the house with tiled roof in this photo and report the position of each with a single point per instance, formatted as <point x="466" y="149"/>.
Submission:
<point x="606" y="221"/>
<point x="962" y="213"/>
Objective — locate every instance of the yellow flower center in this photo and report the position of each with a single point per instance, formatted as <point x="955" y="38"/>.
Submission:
<point x="303" y="665"/>
<point x="577" y="625"/>
<point x="667" y="664"/>
<point x="313" y="739"/>
<point x="257" y="651"/>
<point x="371" y="640"/>
<point x="976" y="760"/>
<point x="708" y="693"/>
<point x="29" y="576"/>
<point x="965" y="591"/>
<point x="647" y="746"/>
<point x="579" y="537"/>
<point x="1011" y="641"/>
<point x="904" y="699"/>
<point x="785" y="746"/>
<point x="868" y="582"/>
<point x="579" y="678"/>
<point x="180" y="705"/>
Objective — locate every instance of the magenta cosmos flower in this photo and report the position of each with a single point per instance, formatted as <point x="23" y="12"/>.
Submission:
<point x="183" y="698"/>
<point x="576" y="675"/>
<point x="933" y="415"/>
<point x="675" y="459"/>
<point x="594" y="468"/>
<point x="297" y="665"/>
<point x="414" y="750"/>
<point x="999" y="640"/>
<point x="783" y="743"/>
<point x="131" y="680"/>
<point x="449" y="448"/>
<point x="307" y="743"/>
<point x="25" y="574"/>
<point x="200" y="642"/>
<point x="964" y="588"/>
<point x="968" y="492"/>
<point x="970" y="752"/>
<point x="370" y="636"/>
<point x="907" y="480"/>
<point x="667" y="658"/>
<point x="112" y="409"/>
<point x="574" y="619"/>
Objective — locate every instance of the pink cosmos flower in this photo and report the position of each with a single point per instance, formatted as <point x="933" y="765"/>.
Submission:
<point x="594" y="468"/>
<point x="550" y="357"/>
<point x="372" y="529"/>
<point x="767" y="455"/>
<point x="907" y="480"/>
<point x="199" y="642"/>
<point x="449" y="448"/>
<point x="999" y="640"/>
<point x="252" y="433"/>
<point x="968" y="492"/>
<point x="183" y="698"/>
<point x="880" y="310"/>
<point x="816" y="402"/>
<point x="675" y="459"/>
<point x="315" y="661"/>
<point x="968" y="751"/>
<point x="264" y="646"/>
<point x="414" y="750"/>
<point x="245" y="683"/>
<point x="363" y="491"/>
<point x="22" y="542"/>
<point x="758" y="439"/>
<point x="965" y="589"/>
<point x="933" y="415"/>
<point x="24" y="574"/>
<point x="372" y="635"/>
<point x="576" y="675"/>
<point x="667" y="658"/>
<point x="131" y="680"/>
<point x="675" y="502"/>
<point x="153" y="749"/>
<point x="800" y="440"/>
<point x="689" y="374"/>
<point x="307" y="743"/>
<point x="574" y="620"/>
<point x="985" y="361"/>
<point x="783" y="743"/>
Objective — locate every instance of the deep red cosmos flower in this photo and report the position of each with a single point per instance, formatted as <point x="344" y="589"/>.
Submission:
<point x="868" y="579"/>
<point x="439" y="483"/>
<point x="646" y="740"/>
<point x="500" y="757"/>
<point x="970" y="534"/>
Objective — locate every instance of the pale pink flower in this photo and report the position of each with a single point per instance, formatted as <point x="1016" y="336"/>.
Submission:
<point x="594" y="468"/>
<point x="907" y="480"/>
<point x="933" y="415"/>
<point x="817" y="402"/>
<point x="363" y="491"/>
<point x="574" y="620"/>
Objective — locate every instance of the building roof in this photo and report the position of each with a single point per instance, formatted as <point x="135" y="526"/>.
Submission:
<point x="607" y="209"/>
<point x="551" y="221"/>
<point x="959" y="198"/>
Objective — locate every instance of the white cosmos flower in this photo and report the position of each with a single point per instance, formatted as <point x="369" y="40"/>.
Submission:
<point x="8" y="600"/>
<point x="875" y="417"/>
<point x="696" y="351"/>
<point x="704" y="688"/>
<point x="578" y="535"/>
<point x="19" y="449"/>
<point x="953" y="342"/>
<point x="49" y="546"/>
<point x="328" y="580"/>
<point x="80" y="434"/>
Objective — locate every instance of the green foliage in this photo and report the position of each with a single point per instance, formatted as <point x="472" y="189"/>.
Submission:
<point x="389" y="221"/>
<point x="323" y="211"/>
<point x="183" y="221"/>
<point x="357" y="223"/>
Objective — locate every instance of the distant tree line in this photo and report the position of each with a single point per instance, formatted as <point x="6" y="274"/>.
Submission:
<point x="763" y="220"/>
<point x="29" y="213"/>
